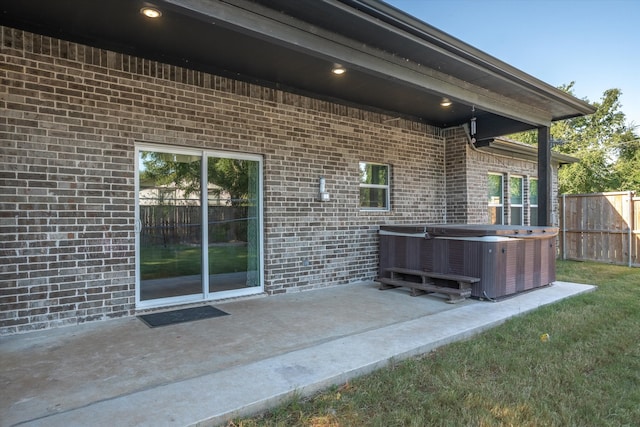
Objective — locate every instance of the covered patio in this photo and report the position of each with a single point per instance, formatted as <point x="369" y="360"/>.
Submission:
<point x="242" y="80"/>
<point x="381" y="59"/>
<point x="209" y="371"/>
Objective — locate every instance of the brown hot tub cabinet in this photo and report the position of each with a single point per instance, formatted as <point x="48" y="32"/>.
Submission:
<point x="506" y="259"/>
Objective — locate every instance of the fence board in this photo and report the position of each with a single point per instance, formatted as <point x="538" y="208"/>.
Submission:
<point x="635" y="235"/>
<point x="602" y="227"/>
<point x="181" y="224"/>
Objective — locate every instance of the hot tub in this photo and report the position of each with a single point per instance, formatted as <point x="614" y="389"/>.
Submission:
<point x="506" y="259"/>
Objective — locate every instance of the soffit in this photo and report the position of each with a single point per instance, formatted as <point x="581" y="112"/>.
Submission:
<point x="395" y="63"/>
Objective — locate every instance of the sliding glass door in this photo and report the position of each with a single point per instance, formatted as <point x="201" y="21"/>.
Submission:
<point x="233" y="205"/>
<point x="199" y="225"/>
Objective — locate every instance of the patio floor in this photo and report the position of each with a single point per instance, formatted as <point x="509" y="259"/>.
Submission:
<point x="121" y="372"/>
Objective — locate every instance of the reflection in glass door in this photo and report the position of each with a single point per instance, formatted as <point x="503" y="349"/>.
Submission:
<point x="233" y="223"/>
<point x="170" y="239"/>
<point x="177" y="231"/>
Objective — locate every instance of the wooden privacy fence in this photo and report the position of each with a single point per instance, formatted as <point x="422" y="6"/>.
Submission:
<point x="602" y="227"/>
<point x="182" y="224"/>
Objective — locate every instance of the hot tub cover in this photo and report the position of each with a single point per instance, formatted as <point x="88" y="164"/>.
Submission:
<point x="472" y="230"/>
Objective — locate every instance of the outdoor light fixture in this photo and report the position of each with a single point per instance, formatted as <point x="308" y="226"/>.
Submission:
<point x="151" y="12"/>
<point x="446" y="102"/>
<point x="338" y="70"/>
<point x="323" y="196"/>
<point x="472" y="126"/>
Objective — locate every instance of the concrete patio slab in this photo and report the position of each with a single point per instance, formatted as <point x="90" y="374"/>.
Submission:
<point x="206" y="372"/>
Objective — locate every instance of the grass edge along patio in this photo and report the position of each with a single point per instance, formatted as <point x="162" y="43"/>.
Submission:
<point x="575" y="362"/>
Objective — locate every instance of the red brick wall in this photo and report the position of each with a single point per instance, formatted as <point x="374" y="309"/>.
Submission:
<point x="70" y="117"/>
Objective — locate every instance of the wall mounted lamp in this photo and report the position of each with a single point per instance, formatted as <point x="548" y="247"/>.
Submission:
<point x="472" y="125"/>
<point x="323" y="196"/>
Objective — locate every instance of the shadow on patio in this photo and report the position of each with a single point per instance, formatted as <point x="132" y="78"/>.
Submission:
<point x="210" y="370"/>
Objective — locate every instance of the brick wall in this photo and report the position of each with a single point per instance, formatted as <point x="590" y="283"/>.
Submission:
<point x="480" y="164"/>
<point x="467" y="184"/>
<point x="457" y="178"/>
<point x="70" y="116"/>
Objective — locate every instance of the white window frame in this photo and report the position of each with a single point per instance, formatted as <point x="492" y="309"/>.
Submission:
<point x="386" y="187"/>
<point x="533" y="205"/>
<point x="493" y="203"/>
<point x="205" y="295"/>
<point x="516" y="205"/>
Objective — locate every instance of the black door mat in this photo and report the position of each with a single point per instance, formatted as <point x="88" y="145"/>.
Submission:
<point x="165" y="318"/>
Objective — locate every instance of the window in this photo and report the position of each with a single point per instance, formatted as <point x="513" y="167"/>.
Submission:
<point x="533" y="201"/>
<point x="495" y="199"/>
<point x="374" y="186"/>
<point x="516" y="199"/>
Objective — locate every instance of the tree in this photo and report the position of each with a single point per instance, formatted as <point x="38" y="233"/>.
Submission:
<point x="228" y="176"/>
<point x="604" y="144"/>
<point x="627" y="168"/>
<point x="230" y="179"/>
<point x="171" y="171"/>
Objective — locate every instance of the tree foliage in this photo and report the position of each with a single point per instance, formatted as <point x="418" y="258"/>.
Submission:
<point x="229" y="177"/>
<point x="608" y="148"/>
<point x="627" y="168"/>
<point x="171" y="171"/>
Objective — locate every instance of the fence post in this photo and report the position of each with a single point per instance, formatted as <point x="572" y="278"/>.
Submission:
<point x="630" y="224"/>
<point x="564" y="227"/>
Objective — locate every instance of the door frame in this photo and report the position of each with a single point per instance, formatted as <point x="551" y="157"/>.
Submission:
<point x="205" y="295"/>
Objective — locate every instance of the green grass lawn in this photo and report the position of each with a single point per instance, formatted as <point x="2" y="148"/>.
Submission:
<point x="586" y="374"/>
<point x="181" y="260"/>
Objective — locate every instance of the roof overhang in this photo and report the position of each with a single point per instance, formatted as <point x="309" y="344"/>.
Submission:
<point x="506" y="147"/>
<point x="395" y="63"/>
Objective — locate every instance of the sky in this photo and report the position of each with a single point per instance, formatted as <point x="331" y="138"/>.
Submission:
<point x="594" y="43"/>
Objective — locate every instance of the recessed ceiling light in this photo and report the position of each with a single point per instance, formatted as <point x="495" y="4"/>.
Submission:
<point x="446" y="102"/>
<point x="338" y="69"/>
<point x="151" y="12"/>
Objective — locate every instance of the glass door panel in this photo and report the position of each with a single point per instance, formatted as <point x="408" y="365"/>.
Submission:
<point x="233" y="206"/>
<point x="170" y="215"/>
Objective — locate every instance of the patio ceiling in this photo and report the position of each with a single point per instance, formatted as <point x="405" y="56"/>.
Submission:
<point x="395" y="63"/>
